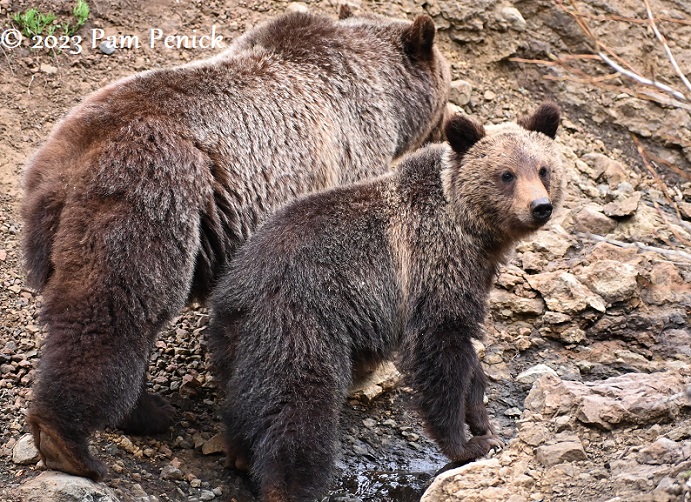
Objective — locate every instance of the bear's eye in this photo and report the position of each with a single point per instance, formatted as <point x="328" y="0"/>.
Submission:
<point x="543" y="172"/>
<point x="507" y="177"/>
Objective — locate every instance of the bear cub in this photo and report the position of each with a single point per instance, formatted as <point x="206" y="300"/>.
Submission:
<point x="348" y="276"/>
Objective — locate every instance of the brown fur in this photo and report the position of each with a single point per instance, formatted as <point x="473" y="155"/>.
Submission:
<point x="142" y="194"/>
<point x="348" y="276"/>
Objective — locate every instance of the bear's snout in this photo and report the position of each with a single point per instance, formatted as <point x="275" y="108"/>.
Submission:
<point x="541" y="209"/>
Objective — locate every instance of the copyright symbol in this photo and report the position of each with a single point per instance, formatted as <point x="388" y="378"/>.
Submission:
<point x="11" y="38"/>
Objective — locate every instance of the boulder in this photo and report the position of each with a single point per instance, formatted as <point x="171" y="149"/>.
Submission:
<point x="564" y="293"/>
<point x="634" y="398"/>
<point x="53" y="486"/>
<point x="612" y="280"/>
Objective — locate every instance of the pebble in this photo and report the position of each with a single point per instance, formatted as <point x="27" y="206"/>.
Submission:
<point x="48" y="69"/>
<point x="297" y="7"/>
<point x="171" y="472"/>
<point x="459" y="92"/>
<point x="213" y="445"/>
<point x="207" y="495"/>
<point x="106" y="47"/>
<point x="369" y="423"/>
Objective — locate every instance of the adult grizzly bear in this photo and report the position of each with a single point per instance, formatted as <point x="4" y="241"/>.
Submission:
<point x="349" y="275"/>
<point x="144" y="191"/>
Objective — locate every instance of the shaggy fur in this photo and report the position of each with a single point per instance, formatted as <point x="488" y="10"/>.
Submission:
<point x="144" y="191"/>
<point x="351" y="275"/>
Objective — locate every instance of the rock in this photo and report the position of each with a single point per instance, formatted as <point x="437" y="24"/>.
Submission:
<point x="670" y="126"/>
<point x="570" y="335"/>
<point x="48" y="69"/>
<point x="384" y="378"/>
<point x="513" y="18"/>
<point x="189" y="386"/>
<point x="664" y="284"/>
<point x="479" y="347"/>
<point x="297" y="7"/>
<point x="612" y="171"/>
<point x="53" y="486"/>
<point x="460" y="91"/>
<point x="623" y="208"/>
<point x="607" y="251"/>
<point x="207" y="495"/>
<point x="450" y="485"/>
<point x="530" y="375"/>
<point x="25" y="452"/>
<point x="589" y="218"/>
<point x="471" y="22"/>
<point x="555" y="318"/>
<point x="508" y="304"/>
<point x="612" y="280"/>
<point x="567" y="451"/>
<point x="370" y="423"/>
<point x="213" y="445"/>
<point x="533" y="434"/>
<point x="647" y="226"/>
<point x="599" y="410"/>
<point x="634" y="398"/>
<point x="637" y="477"/>
<point x="106" y="47"/>
<point x="684" y="208"/>
<point x="564" y="293"/>
<point x="171" y="472"/>
<point x="662" y="451"/>
<point x="553" y="244"/>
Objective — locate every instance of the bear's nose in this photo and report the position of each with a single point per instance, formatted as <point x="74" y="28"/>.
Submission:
<point x="541" y="209"/>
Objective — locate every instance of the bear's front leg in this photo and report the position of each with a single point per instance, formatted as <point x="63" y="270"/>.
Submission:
<point x="445" y="372"/>
<point x="152" y="414"/>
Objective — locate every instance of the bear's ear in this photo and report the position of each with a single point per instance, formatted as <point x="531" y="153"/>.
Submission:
<point x="463" y="132"/>
<point x="344" y="12"/>
<point x="418" y="38"/>
<point x="544" y="120"/>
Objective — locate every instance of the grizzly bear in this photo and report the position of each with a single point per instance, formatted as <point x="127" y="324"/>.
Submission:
<point x="142" y="194"/>
<point x="350" y="275"/>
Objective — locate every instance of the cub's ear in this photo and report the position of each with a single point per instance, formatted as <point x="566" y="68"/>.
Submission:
<point x="344" y="11"/>
<point x="418" y="38"/>
<point x="463" y="132"/>
<point x="544" y="120"/>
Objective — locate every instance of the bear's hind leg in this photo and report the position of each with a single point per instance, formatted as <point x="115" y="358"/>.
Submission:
<point x="288" y="415"/>
<point x="110" y="294"/>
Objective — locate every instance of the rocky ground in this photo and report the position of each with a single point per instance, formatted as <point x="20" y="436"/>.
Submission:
<point x="588" y="345"/>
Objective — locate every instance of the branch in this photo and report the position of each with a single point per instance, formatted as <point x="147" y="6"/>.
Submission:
<point x="668" y="51"/>
<point x="644" y="247"/>
<point x="641" y="79"/>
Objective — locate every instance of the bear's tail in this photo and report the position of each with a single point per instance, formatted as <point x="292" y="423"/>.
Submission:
<point x="41" y="208"/>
